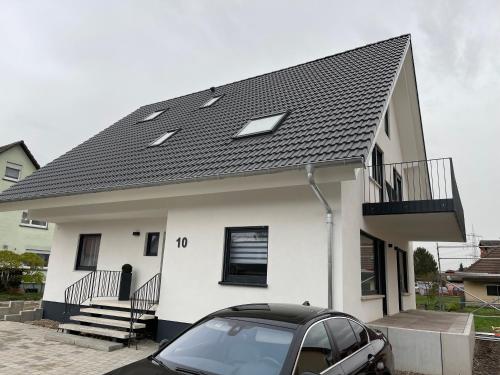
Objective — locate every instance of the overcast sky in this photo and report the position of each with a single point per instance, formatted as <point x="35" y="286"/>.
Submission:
<point x="69" y="69"/>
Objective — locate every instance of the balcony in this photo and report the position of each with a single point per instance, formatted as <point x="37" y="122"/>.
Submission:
<point x="417" y="199"/>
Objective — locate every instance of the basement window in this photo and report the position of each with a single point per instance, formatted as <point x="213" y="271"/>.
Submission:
<point x="162" y="139"/>
<point x="261" y="125"/>
<point x="245" y="256"/>
<point x="211" y="101"/>
<point x="153" y="115"/>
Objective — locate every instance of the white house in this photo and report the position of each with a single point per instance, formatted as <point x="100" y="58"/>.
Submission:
<point x="307" y="183"/>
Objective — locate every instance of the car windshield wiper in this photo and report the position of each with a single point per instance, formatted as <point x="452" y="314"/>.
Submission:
<point x="159" y="362"/>
<point x="189" y="371"/>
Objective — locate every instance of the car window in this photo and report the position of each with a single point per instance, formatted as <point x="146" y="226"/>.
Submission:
<point x="360" y="332"/>
<point x="343" y="335"/>
<point x="229" y="347"/>
<point x="316" y="352"/>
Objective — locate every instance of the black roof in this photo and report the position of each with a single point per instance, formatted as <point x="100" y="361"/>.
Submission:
<point x="276" y="312"/>
<point x="335" y="105"/>
<point x="25" y="149"/>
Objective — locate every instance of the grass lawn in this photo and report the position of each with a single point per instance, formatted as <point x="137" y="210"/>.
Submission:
<point x="485" y="324"/>
<point x="4" y="296"/>
<point x="484" y="318"/>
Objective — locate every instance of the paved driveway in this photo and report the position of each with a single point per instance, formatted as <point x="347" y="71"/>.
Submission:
<point x="23" y="350"/>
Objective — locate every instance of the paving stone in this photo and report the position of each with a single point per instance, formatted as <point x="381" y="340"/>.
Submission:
<point x="59" y="358"/>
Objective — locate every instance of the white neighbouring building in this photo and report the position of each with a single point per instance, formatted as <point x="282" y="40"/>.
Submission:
<point x="225" y="193"/>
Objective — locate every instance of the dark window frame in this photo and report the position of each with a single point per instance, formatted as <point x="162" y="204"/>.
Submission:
<point x="14" y="167"/>
<point x="379" y="257"/>
<point x="378" y="170"/>
<point x="397" y="186"/>
<point x="243" y="280"/>
<point x="402" y="268"/>
<point x="147" y="249"/>
<point x="387" y="125"/>
<point x="78" y="266"/>
<point x="496" y="286"/>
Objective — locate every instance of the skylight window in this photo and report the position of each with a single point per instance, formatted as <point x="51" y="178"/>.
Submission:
<point x="261" y="125"/>
<point x="211" y="101"/>
<point x="162" y="139"/>
<point x="153" y="115"/>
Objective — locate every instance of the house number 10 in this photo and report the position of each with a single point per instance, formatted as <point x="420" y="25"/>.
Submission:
<point x="182" y="242"/>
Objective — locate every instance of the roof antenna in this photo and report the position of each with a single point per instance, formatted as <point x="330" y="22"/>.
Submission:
<point x="212" y="90"/>
<point x="306" y="303"/>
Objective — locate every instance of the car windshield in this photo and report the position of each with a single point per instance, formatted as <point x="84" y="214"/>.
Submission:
<point x="229" y="346"/>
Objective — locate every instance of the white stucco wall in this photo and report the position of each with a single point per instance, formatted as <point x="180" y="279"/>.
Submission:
<point x="297" y="254"/>
<point x="353" y="194"/>
<point x="118" y="246"/>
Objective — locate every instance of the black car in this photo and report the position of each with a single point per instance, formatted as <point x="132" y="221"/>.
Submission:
<point x="271" y="339"/>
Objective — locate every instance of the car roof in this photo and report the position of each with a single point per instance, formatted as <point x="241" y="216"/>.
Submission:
<point x="277" y="313"/>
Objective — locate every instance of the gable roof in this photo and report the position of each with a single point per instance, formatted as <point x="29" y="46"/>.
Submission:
<point x="489" y="249"/>
<point x="25" y="149"/>
<point x="334" y="106"/>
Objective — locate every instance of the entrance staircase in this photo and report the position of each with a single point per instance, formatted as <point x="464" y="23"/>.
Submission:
<point x="93" y="310"/>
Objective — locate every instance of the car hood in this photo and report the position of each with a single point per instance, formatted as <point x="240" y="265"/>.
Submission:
<point x="143" y="367"/>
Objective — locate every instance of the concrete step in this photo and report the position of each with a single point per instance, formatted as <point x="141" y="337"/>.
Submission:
<point x="116" y="304"/>
<point x="106" y="322"/>
<point x="105" y="332"/>
<point x="118" y="314"/>
<point x="84" y="342"/>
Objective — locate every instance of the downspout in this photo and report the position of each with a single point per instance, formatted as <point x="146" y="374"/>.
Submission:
<point x="329" y="223"/>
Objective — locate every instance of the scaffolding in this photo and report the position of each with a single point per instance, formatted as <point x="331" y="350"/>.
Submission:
<point x="478" y="302"/>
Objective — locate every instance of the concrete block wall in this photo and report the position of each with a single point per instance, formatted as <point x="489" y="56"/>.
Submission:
<point x="432" y="352"/>
<point x="21" y="311"/>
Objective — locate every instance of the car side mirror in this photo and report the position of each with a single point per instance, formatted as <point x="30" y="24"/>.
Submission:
<point x="163" y="344"/>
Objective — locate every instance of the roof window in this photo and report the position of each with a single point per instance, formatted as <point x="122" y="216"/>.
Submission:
<point x="211" y="101"/>
<point x="153" y="115"/>
<point x="162" y="139"/>
<point x="261" y="125"/>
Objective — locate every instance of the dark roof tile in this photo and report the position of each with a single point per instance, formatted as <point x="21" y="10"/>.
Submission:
<point x="334" y="103"/>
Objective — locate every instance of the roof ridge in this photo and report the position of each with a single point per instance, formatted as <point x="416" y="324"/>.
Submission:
<point x="9" y="145"/>
<point x="281" y="69"/>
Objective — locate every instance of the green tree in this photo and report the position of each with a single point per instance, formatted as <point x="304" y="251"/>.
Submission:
<point x="461" y="268"/>
<point x="425" y="265"/>
<point x="10" y="270"/>
<point x="16" y="268"/>
<point x="33" y="265"/>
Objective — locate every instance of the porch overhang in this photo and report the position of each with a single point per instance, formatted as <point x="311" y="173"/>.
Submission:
<point x="423" y="226"/>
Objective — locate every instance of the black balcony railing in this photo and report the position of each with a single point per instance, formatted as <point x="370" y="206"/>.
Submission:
<point x="99" y="283"/>
<point x="410" y="181"/>
<point x="412" y="187"/>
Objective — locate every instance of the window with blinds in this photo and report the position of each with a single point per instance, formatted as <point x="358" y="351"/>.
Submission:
<point x="245" y="259"/>
<point x="88" y="251"/>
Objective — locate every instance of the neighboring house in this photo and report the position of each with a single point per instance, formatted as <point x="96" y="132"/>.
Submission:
<point x="18" y="231"/>
<point x="482" y="278"/>
<point x="307" y="183"/>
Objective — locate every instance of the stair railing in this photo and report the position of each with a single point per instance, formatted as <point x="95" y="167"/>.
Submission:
<point x="99" y="283"/>
<point x="142" y="300"/>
